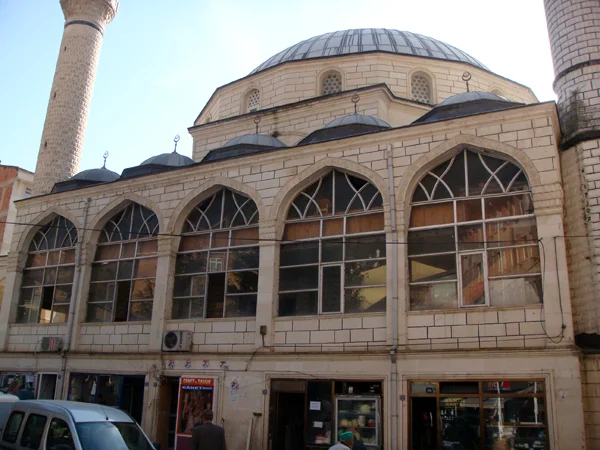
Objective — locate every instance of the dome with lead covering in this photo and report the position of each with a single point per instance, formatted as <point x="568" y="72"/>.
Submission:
<point x="263" y="140"/>
<point x="364" y="40"/>
<point x="357" y="119"/>
<point x="346" y="126"/>
<point x="472" y="97"/>
<point x="86" y="178"/>
<point x="172" y="159"/>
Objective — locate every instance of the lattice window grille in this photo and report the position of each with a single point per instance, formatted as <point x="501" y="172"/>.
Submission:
<point x="332" y="83"/>
<point x="253" y="100"/>
<point x="421" y="89"/>
<point x="134" y="222"/>
<point x="59" y="233"/>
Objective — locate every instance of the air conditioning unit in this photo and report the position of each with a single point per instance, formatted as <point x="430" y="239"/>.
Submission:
<point x="51" y="344"/>
<point x="177" y="341"/>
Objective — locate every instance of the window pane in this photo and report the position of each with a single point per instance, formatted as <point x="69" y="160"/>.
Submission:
<point x="431" y="241"/>
<point x="470" y="237"/>
<point x="296" y="254"/>
<point x="513" y="387"/>
<point x="50" y="276"/>
<point x="188" y="308"/>
<point x="99" y="312"/>
<point x="33" y="431"/>
<point x="33" y="277"/>
<point x="460" y="422"/>
<point x="105" y="252"/>
<point x="198" y="242"/>
<point x="473" y="279"/>
<point x="65" y="275"/>
<point x="240" y="306"/>
<point x="139" y="311"/>
<point x="182" y="286"/>
<point x="215" y="295"/>
<point x="242" y="282"/>
<point x="191" y="263"/>
<point x="36" y="259"/>
<point x="125" y="269"/>
<point x="435" y="214"/>
<point x="332" y="289"/>
<point x="433" y="268"/>
<point x="365" y="273"/>
<point x="298" y="303"/>
<point x="368" y="299"/>
<point x="128" y="250"/>
<point x="300" y="278"/>
<point x="333" y="227"/>
<point x="12" y="427"/>
<point x="67" y="257"/>
<point x="511" y="232"/>
<point x="246" y="258"/>
<point x="123" y="296"/>
<point x="468" y="210"/>
<point x="332" y="250"/>
<point x="459" y="387"/>
<point x="145" y="268"/>
<point x="512" y="205"/>
<point x="198" y="285"/>
<point x="62" y="294"/>
<point x="433" y="296"/>
<point x="101" y="292"/>
<point x="104" y="271"/>
<point x="365" y="247"/>
<point x="364" y="224"/>
<point x="245" y="236"/>
<point x="147" y="248"/>
<point x="216" y="261"/>
<point x="53" y="258"/>
<point x="525" y="417"/>
<point x="301" y="230"/>
<point x="516" y="291"/>
<point x="220" y="240"/>
<point x="143" y="289"/>
<point x="513" y="261"/>
<point x="59" y="313"/>
<point x="59" y="436"/>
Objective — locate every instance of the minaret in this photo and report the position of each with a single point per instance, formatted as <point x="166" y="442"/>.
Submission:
<point x="574" y="30"/>
<point x="71" y="94"/>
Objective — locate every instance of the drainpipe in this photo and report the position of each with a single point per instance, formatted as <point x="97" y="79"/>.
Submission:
<point x="74" y="298"/>
<point x="394" y="349"/>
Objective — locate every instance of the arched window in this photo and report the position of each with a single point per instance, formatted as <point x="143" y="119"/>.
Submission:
<point x="216" y="274"/>
<point x="47" y="283"/>
<point x="253" y="100"/>
<point x="331" y="82"/>
<point x="124" y="269"/>
<point x="332" y="258"/>
<point x="421" y="87"/>
<point x="472" y="239"/>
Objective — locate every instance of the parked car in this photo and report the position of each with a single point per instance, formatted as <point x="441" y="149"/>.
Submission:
<point x="6" y="402"/>
<point x="64" y="425"/>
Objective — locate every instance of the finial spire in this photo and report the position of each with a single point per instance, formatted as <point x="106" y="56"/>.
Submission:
<point x="355" y="99"/>
<point x="257" y="121"/>
<point x="176" y="140"/>
<point x="466" y="77"/>
<point x="105" y="156"/>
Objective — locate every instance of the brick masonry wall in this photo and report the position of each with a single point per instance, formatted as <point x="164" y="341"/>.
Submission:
<point x="7" y="176"/>
<point x="590" y="378"/>
<point x="300" y="80"/>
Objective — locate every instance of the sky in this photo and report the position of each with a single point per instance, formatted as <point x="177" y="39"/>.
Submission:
<point x="162" y="60"/>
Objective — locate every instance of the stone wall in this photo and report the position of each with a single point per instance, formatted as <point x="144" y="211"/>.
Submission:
<point x="590" y="379"/>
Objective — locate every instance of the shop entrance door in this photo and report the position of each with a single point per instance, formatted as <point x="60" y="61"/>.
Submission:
<point x="132" y="398"/>
<point x="289" y="422"/>
<point x="167" y="412"/>
<point x="424" y="423"/>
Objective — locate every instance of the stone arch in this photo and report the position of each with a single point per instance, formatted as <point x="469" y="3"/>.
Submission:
<point x="313" y="173"/>
<point x="43" y="219"/>
<point x="446" y="150"/>
<point x="244" y="109"/>
<point x="209" y="187"/>
<point x="114" y="207"/>
<point x="324" y="73"/>
<point x="432" y="83"/>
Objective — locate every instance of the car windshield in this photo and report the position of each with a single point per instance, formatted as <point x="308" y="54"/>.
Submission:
<point x="112" y="436"/>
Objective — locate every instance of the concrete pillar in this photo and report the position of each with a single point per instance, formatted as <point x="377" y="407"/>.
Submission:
<point x="66" y="118"/>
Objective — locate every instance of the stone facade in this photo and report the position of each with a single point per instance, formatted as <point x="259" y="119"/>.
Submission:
<point x="71" y="93"/>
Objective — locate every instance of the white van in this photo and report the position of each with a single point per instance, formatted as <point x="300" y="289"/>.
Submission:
<point x="63" y="425"/>
<point x="6" y="402"/>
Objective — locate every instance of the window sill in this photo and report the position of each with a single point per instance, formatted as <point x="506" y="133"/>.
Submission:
<point x="472" y="309"/>
<point x="102" y="324"/>
<point x="216" y="319"/>
<point x="329" y="316"/>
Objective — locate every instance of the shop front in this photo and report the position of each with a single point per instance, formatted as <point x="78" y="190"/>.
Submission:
<point x="41" y="384"/>
<point x="310" y="414"/>
<point x="473" y="415"/>
<point x="125" y="392"/>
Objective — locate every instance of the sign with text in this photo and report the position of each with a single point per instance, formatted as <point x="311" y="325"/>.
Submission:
<point x="195" y="395"/>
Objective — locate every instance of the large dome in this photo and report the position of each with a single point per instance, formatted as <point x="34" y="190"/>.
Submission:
<point x="369" y="40"/>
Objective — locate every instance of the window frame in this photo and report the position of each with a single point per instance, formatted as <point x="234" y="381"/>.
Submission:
<point x="24" y="428"/>
<point x="16" y="436"/>
<point x="48" y="432"/>
<point x="483" y="222"/>
<point x="249" y="94"/>
<point x="323" y="78"/>
<point x="429" y="79"/>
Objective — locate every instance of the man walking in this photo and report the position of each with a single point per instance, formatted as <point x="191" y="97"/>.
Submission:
<point x="208" y="436"/>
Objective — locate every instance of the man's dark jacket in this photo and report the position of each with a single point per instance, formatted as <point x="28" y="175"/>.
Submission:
<point x="208" y="437"/>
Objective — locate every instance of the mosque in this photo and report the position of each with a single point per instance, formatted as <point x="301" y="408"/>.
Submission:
<point x="375" y="233"/>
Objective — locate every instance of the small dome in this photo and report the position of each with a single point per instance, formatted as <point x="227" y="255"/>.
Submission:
<point x="360" y="119"/>
<point x="172" y="159"/>
<point x="263" y="140"/>
<point x="369" y="40"/>
<point x="471" y="97"/>
<point x="101" y="175"/>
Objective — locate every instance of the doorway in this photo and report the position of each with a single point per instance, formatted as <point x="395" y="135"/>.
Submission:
<point x="424" y="423"/>
<point x="166" y="421"/>
<point x="289" y="422"/>
<point x="132" y="399"/>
